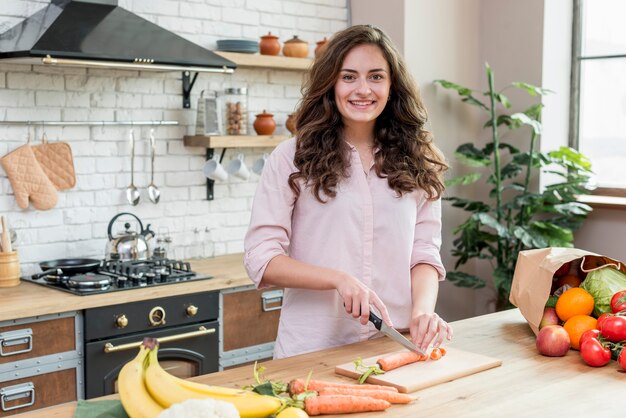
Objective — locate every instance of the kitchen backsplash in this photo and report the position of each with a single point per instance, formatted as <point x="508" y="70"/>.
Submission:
<point x="76" y="226"/>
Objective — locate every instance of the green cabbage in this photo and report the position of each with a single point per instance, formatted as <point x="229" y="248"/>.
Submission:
<point x="603" y="284"/>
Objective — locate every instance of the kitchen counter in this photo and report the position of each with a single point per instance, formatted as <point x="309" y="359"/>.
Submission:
<point x="526" y="385"/>
<point x="29" y="299"/>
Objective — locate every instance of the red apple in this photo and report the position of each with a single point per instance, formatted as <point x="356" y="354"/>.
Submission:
<point x="549" y="318"/>
<point x="553" y="341"/>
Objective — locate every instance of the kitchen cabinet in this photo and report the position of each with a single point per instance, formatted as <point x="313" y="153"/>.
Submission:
<point x="249" y="324"/>
<point x="40" y="362"/>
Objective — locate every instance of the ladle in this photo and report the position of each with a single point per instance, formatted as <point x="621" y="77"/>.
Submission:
<point x="153" y="192"/>
<point x="132" y="194"/>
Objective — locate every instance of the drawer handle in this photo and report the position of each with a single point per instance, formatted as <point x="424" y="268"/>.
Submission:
<point x="12" y="393"/>
<point x="271" y="297"/>
<point x="110" y="348"/>
<point x="19" y="337"/>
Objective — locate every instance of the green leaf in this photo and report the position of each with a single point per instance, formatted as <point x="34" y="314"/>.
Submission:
<point x="569" y="155"/>
<point x="475" y="102"/>
<point x="465" y="280"/>
<point x="490" y="221"/>
<point x="463" y="180"/>
<point x="488" y="149"/>
<point x="500" y="120"/>
<point x="463" y="91"/>
<point x="534" y="111"/>
<point x="500" y="98"/>
<point x="556" y="236"/>
<point x="526" y="120"/>
<point x="510" y="170"/>
<point x="265" y="389"/>
<point x="572" y="208"/>
<point x="530" y="89"/>
<point x="467" y="154"/>
<point x="502" y="279"/>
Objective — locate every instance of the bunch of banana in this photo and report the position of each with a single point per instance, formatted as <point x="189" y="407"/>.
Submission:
<point x="135" y="398"/>
<point x="146" y="389"/>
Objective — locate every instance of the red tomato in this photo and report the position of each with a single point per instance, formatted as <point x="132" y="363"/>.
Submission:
<point x="594" y="353"/>
<point x="591" y="334"/>
<point x="614" y="328"/>
<point x="621" y="359"/>
<point x="601" y="320"/>
<point x="618" y="301"/>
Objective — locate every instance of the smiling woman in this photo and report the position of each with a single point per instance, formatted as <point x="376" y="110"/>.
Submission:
<point x="347" y="216"/>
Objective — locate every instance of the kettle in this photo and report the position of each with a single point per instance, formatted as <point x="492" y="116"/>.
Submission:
<point x="129" y="245"/>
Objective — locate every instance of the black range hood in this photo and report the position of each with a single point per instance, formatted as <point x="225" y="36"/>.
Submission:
<point x="99" y="33"/>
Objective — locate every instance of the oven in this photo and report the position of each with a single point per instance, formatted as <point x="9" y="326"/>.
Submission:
<point x="186" y="326"/>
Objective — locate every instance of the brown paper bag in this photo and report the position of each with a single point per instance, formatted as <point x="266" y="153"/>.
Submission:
<point x="532" y="280"/>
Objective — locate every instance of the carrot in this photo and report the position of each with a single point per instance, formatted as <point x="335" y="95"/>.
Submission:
<point x="437" y="353"/>
<point x="443" y="351"/>
<point x="297" y="386"/>
<point x="393" y="361"/>
<point x="389" y="396"/>
<point x="342" y="404"/>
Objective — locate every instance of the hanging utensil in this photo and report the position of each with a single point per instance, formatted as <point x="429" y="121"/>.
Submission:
<point x="132" y="194"/>
<point x="153" y="192"/>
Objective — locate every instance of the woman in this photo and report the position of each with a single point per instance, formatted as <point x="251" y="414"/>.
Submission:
<point x="347" y="215"/>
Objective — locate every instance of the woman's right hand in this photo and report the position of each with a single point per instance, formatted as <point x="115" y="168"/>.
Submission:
<point x="357" y="299"/>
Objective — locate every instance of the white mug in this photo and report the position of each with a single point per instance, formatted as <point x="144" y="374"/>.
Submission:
<point x="214" y="170"/>
<point x="237" y="168"/>
<point x="258" y="165"/>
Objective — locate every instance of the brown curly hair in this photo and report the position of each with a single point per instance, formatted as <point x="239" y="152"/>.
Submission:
<point x="407" y="157"/>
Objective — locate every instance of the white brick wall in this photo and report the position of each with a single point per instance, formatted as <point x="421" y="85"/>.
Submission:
<point x="76" y="227"/>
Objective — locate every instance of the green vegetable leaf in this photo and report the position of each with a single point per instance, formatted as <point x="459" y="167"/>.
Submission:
<point x="603" y="284"/>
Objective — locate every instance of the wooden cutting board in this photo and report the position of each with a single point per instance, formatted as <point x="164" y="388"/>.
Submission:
<point x="411" y="377"/>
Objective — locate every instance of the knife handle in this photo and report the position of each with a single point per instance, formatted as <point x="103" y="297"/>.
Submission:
<point x="375" y="320"/>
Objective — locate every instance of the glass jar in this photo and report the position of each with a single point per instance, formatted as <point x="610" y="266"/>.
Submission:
<point x="234" y="108"/>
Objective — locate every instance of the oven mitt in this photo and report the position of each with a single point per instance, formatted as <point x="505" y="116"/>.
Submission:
<point x="57" y="162"/>
<point x="28" y="179"/>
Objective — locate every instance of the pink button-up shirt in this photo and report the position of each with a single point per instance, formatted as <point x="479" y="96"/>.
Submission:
<point x="366" y="231"/>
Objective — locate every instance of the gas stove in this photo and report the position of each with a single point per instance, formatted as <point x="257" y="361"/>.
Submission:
<point x="115" y="275"/>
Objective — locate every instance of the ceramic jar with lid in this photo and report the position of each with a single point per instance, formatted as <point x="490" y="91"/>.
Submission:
<point x="296" y="47"/>
<point x="234" y="111"/>
<point x="290" y="124"/>
<point x="320" y="47"/>
<point x="269" y="44"/>
<point x="264" y="124"/>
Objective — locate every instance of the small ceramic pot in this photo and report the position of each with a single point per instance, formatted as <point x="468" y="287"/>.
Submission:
<point x="296" y="47"/>
<point x="269" y="44"/>
<point x="264" y="124"/>
<point x="290" y="124"/>
<point x="320" y="47"/>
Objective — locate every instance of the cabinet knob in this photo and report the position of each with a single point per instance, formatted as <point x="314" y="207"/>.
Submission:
<point x="192" y="310"/>
<point x="121" y="321"/>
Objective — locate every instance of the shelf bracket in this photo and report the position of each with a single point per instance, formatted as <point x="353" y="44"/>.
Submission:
<point x="210" y="152"/>
<point x="188" y="83"/>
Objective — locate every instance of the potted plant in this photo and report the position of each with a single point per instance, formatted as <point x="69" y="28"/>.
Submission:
<point x="514" y="217"/>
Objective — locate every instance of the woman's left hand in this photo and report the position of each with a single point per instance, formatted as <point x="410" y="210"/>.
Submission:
<point x="427" y="327"/>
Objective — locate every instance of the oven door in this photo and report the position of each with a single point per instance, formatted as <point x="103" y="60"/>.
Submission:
<point x="192" y="354"/>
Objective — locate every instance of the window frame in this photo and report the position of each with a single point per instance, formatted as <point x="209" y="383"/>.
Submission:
<point x="577" y="59"/>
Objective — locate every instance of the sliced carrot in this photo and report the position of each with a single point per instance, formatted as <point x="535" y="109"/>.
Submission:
<point x="389" y="396"/>
<point x="436" y="354"/>
<point x="443" y="351"/>
<point x="343" y="404"/>
<point x="393" y="361"/>
<point x="297" y="386"/>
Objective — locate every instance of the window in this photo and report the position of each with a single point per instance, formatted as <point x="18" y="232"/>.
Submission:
<point x="598" y="108"/>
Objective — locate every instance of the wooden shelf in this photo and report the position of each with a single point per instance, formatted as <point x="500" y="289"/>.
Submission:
<point x="240" y="141"/>
<point x="267" y="61"/>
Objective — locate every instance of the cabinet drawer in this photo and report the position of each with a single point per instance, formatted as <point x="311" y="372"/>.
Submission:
<point x="250" y="317"/>
<point x="29" y="393"/>
<point x="37" y="339"/>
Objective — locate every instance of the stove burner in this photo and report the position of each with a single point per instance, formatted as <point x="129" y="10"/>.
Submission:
<point x="115" y="275"/>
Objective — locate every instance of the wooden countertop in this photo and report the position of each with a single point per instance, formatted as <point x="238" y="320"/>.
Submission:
<point x="29" y="299"/>
<point x="526" y="385"/>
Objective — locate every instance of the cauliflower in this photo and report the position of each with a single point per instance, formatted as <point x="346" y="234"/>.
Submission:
<point x="201" y="408"/>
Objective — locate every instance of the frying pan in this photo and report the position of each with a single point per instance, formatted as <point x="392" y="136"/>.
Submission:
<point x="67" y="266"/>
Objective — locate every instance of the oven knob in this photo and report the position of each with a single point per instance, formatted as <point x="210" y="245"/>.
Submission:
<point x="192" y="310"/>
<point x="121" y="321"/>
<point x="157" y="316"/>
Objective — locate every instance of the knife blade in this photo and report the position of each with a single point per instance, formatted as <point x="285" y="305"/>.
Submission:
<point x="393" y="334"/>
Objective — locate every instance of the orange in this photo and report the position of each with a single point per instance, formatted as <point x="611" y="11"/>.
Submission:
<point x="576" y="326"/>
<point x="574" y="301"/>
<point x="570" y="279"/>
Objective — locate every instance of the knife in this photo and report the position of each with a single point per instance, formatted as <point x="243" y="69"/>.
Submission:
<point x="393" y="334"/>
